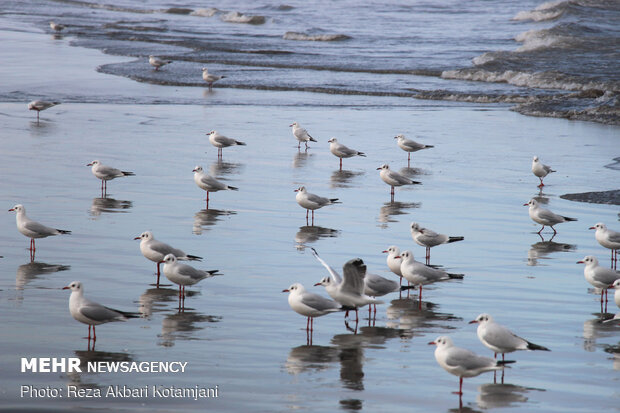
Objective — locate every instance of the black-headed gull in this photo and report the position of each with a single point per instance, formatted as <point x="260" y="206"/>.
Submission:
<point x="409" y="146"/>
<point x="40" y="105"/>
<point x="221" y="141"/>
<point x="544" y="216"/>
<point x="301" y="135"/>
<point x="209" y="183"/>
<point x="419" y="274"/>
<point x="106" y="173"/>
<point x="155" y="250"/>
<point x="393" y="178"/>
<point x="341" y="151"/>
<point x="311" y="201"/>
<point x="57" y="27"/>
<point x="462" y="362"/>
<point x="309" y="304"/>
<point x="183" y="274"/>
<point x="609" y="239"/>
<point x="597" y="276"/>
<point x="33" y="229"/>
<point x="210" y="78"/>
<point x="394" y="261"/>
<point x="428" y="238"/>
<point x="499" y="339"/>
<point x="90" y="312"/>
<point x="540" y="170"/>
<point x="156" y="62"/>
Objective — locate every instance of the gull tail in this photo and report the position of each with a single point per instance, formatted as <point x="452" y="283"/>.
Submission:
<point x="503" y="363"/>
<point x="456" y="276"/>
<point x="335" y="201"/>
<point x="408" y="287"/>
<point x="240" y="143"/>
<point x="126" y="314"/>
<point x="194" y="257"/>
<point x="428" y="146"/>
<point x="361" y="154"/>
<point x="312" y="139"/>
<point x="532" y="346"/>
<point x="416" y="183"/>
<point x="234" y="188"/>
<point x="454" y="239"/>
<point x="127" y="173"/>
<point x="213" y="272"/>
<point x="569" y="219"/>
<point x="62" y="231"/>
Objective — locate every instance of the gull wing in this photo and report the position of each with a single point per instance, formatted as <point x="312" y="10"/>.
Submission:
<point x="335" y="276"/>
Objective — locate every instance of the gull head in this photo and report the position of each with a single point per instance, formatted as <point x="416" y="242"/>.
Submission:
<point x="212" y="132"/>
<point x="18" y="208"/>
<point x="392" y="250"/>
<point x="616" y="284"/>
<point x="532" y="203"/>
<point x="384" y="167"/>
<point x="598" y="226"/>
<point x="442" y="342"/>
<point x="301" y="189"/>
<point x="535" y="159"/>
<point x="415" y="227"/>
<point x="589" y="260"/>
<point x="296" y="288"/>
<point x="170" y="258"/>
<point x="146" y="236"/>
<point x="204" y="69"/>
<point x="294" y="124"/>
<point x="406" y="255"/>
<point x="197" y="168"/>
<point x="401" y="136"/>
<point x="481" y="319"/>
<point x="332" y="140"/>
<point x="74" y="286"/>
<point x="325" y="282"/>
<point x="93" y="163"/>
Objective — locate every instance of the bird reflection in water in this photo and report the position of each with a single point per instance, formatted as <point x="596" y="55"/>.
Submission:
<point x="300" y="159"/>
<point x="542" y="249"/>
<point x="157" y="299"/>
<point x="408" y="315"/>
<point x="182" y="326"/>
<point x="32" y="270"/>
<point x="206" y="218"/>
<point x="391" y="209"/>
<point x="343" y="178"/>
<point x="220" y="169"/>
<point x="596" y="328"/>
<point x="308" y="234"/>
<point x="492" y="395"/>
<point x="109" y="205"/>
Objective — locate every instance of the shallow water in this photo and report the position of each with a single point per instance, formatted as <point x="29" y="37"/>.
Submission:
<point x="237" y="331"/>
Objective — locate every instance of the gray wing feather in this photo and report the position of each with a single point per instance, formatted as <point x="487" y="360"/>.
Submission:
<point x="467" y="359"/>
<point x="100" y="313"/>
<point x="332" y="272"/>
<point x="319" y="303"/>
<point x="39" y="228"/>
<point x="189" y="271"/>
<point x="353" y="280"/>
<point x="212" y="182"/>
<point x="317" y="199"/>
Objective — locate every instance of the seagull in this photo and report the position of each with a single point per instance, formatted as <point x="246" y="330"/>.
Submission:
<point x="599" y="277"/>
<point x="301" y="134"/>
<point x="608" y="239"/>
<point x="183" y="274"/>
<point x="545" y="217"/>
<point x="40" y="105"/>
<point x="540" y="170"/>
<point x="309" y="304"/>
<point x="409" y="146"/>
<point x="428" y="238"/>
<point x="210" y="78"/>
<point x="57" y="27"/>
<point x="499" y="339"/>
<point x="393" y="178"/>
<point x="33" y="229"/>
<point x="348" y="290"/>
<point x="156" y="62"/>
<point x="378" y="286"/>
<point x="394" y="261"/>
<point x="342" y="151"/>
<point x="221" y="141"/>
<point x="91" y="313"/>
<point x="311" y="201"/>
<point x="155" y="251"/>
<point x="462" y="362"/>
<point x="419" y="274"/>
<point x="616" y="286"/>
<point x="209" y="183"/>
<point x="106" y="173"/>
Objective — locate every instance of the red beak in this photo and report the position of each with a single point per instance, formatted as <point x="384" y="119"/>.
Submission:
<point x="611" y="286"/>
<point x="592" y="228"/>
<point x="473" y="321"/>
<point x="432" y="342"/>
<point x="137" y="238"/>
<point x="580" y="262"/>
<point x="89" y="164"/>
<point x="385" y="251"/>
<point x="66" y="288"/>
<point x="297" y="190"/>
<point x="284" y="291"/>
<point x="526" y="204"/>
<point x="398" y="256"/>
<point x="317" y="284"/>
<point x="12" y="209"/>
<point x="378" y="169"/>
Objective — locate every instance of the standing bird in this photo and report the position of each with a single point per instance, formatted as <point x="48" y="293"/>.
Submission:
<point x="544" y="216"/>
<point x="499" y="339"/>
<point x="309" y="304"/>
<point x="183" y="274"/>
<point x="156" y="62"/>
<point x="598" y="276"/>
<point x="210" y="78"/>
<point x="427" y="238"/>
<point x="394" y="261"/>
<point x="106" y="173"/>
<point x="540" y="170"/>
<point x="616" y="287"/>
<point x="311" y="201"/>
<point x="40" y="105"/>
<point x="342" y="151"/>
<point x="57" y="27"/>
<point x="90" y="312"/>
<point x="393" y="178"/>
<point x="221" y="141"/>
<point x="462" y="362"/>
<point x="608" y="239"/>
<point x="209" y="183"/>
<point x="301" y="135"/>
<point x="33" y="229"/>
<point x="419" y="274"/>
<point x="155" y="251"/>
<point x="409" y="146"/>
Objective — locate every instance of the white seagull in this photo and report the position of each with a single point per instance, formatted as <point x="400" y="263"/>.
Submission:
<point x="106" y="173"/>
<point x="301" y="135"/>
<point x="616" y="287"/>
<point x="40" y="105"/>
<point x="544" y="216"/>
<point x="210" y="78"/>
<point x="609" y="239"/>
<point x="342" y="151"/>
<point x="156" y="62"/>
<point x="393" y="178"/>
<point x="419" y="274"/>
<point x="428" y="238"/>
<point x="462" y="362"/>
<point x="409" y="146"/>
<point x="221" y="141"/>
<point x="183" y="274"/>
<point x="90" y="312"/>
<point x="540" y="170"/>
<point x="599" y="277"/>
<point x="33" y="229"/>
<point x="209" y="183"/>
<point x="57" y="27"/>
<point x="309" y="304"/>
<point x="155" y="250"/>
<point x="499" y="339"/>
<point x="394" y="261"/>
<point x="311" y="201"/>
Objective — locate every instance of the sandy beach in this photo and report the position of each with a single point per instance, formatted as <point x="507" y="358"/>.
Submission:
<point x="237" y="331"/>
